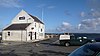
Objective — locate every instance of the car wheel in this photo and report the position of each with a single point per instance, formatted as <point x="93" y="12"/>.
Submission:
<point x="66" y="44"/>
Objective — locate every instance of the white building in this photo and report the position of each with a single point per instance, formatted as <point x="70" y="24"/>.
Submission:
<point x="24" y="27"/>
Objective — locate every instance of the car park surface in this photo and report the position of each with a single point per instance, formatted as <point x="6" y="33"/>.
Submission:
<point x="48" y="47"/>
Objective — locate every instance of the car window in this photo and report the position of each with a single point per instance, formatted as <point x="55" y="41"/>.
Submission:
<point x="84" y="37"/>
<point x="79" y="37"/>
<point x="72" y="37"/>
<point x="86" y="51"/>
<point x="83" y="51"/>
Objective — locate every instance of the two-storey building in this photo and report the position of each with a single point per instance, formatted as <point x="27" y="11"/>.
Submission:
<point x="24" y="27"/>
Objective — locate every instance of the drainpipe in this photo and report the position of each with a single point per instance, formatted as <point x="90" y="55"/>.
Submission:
<point x="21" y="33"/>
<point x="26" y="35"/>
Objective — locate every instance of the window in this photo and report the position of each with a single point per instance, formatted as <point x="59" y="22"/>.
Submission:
<point x="41" y="30"/>
<point x="30" y="34"/>
<point x="8" y="33"/>
<point x="35" y="24"/>
<point x="32" y="28"/>
<point x="72" y="37"/>
<point x="22" y="18"/>
<point x="79" y="38"/>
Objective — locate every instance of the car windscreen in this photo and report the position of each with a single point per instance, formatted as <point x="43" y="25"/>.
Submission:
<point x="83" y="51"/>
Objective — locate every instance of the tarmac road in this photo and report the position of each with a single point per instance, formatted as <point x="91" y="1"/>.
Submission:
<point x="48" y="47"/>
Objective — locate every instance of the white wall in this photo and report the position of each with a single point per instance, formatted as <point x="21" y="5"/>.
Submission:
<point x="41" y="33"/>
<point x="30" y="30"/>
<point x="19" y="35"/>
<point x="36" y="29"/>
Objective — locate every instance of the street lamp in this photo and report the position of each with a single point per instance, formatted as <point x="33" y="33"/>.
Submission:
<point x="42" y="14"/>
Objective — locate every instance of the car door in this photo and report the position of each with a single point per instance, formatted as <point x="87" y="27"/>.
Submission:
<point x="78" y="41"/>
<point x="84" y="41"/>
<point x="74" y="41"/>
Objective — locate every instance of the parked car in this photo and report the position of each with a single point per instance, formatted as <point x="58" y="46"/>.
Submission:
<point x="72" y="40"/>
<point x="90" y="49"/>
<point x="97" y="39"/>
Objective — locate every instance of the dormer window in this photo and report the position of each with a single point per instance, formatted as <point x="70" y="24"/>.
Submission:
<point x="22" y="18"/>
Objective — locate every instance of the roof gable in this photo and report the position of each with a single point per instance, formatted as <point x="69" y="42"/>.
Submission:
<point x="28" y="18"/>
<point x="22" y="14"/>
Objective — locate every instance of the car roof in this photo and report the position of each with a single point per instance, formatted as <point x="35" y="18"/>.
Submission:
<point x="93" y="46"/>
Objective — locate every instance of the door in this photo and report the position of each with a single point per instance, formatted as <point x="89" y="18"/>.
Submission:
<point x="35" y="35"/>
<point x="30" y="34"/>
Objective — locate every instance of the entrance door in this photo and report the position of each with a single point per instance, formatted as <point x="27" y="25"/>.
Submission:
<point x="30" y="35"/>
<point x="35" y="35"/>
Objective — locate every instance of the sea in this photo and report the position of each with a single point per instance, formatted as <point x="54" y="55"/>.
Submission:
<point x="95" y="36"/>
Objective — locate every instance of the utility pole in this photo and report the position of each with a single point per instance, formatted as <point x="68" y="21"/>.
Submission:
<point x="42" y="14"/>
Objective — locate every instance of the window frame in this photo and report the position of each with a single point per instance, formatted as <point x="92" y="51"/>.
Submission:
<point x="9" y="34"/>
<point x="41" y="29"/>
<point x="22" y="18"/>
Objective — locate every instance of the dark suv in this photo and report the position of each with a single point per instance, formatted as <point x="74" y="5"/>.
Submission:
<point x="76" y="41"/>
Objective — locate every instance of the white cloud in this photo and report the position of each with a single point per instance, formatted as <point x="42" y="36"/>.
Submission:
<point x="90" y="24"/>
<point x="93" y="22"/>
<point x="92" y="9"/>
<point x="64" y="26"/>
<point x="90" y="21"/>
<point x="82" y="14"/>
<point x="51" y="7"/>
<point x="9" y="3"/>
<point x="86" y="26"/>
<point x="79" y="26"/>
<point x="94" y="4"/>
<point x="41" y="5"/>
<point x="45" y="6"/>
<point x="94" y="13"/>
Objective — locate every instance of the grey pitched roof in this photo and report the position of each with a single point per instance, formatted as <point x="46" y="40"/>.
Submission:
<point x="36" y="19"/>
<point x="17" y="26"/>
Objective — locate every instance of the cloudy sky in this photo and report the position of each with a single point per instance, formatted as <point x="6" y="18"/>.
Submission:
<point x="58" y="15"/>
